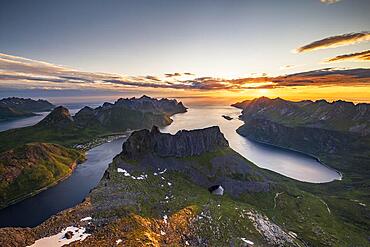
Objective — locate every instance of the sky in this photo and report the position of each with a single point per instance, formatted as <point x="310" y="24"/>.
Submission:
<point x="222" y="50"/>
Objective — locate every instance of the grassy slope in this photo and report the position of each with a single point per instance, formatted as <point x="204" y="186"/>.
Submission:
<point x="67" y="137"/>
<point x="349" y="198"/>
<point x="226" y="219"/>
<point x="32" y="167"/>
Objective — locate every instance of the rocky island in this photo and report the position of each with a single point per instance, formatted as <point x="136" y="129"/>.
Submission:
<point x="156" y="193"/>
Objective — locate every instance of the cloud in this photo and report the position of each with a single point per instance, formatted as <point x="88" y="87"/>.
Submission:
<point x="18" y="72"/>
<point x="172" y="75"/>
<point x="335" y="41"/>
<point x="330" y="1"/>
<point x="291" y="66"/>
<point x="358" y="56"/>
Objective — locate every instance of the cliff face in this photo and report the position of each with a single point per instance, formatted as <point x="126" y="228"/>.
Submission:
<point x="183" y="143"/>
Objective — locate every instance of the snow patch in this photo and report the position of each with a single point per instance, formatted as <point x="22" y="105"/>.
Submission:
<point x="118" y="241"/>
<point x="247" y="241"/>
<point x="58" y="239"/>
<point x="86" y="218"/>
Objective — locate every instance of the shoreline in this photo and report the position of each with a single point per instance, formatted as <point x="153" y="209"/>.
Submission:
<point x="54" y="183"/>
<point x="301" y="152"/>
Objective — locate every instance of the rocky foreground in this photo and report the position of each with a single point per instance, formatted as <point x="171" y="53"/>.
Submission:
<point x="155" y="193"/>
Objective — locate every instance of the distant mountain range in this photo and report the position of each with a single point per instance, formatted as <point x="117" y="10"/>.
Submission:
<point x="14" y="107"/>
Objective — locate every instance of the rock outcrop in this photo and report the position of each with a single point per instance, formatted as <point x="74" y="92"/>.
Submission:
<point x="183" y="143"/>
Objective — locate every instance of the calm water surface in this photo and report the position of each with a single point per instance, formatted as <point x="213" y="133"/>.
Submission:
<point x="289" y="163"/>
<point x="86" y="176"/>
<point x="34" y="210"/>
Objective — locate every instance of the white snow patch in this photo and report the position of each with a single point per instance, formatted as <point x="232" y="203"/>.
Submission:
<point x="293" y="234"/>
<point x="118" y="241"/>
<point x="169" y="184"/>
<point x="187" y="243"/>
<point x="163" y="233"/>
<point x="125" y="173"/>
<point x="163" y="171"/>
<point x="86" y="218"/>
<point x="58" y="239"/>
<point x="165" y="217"/>
<point x="362" y="204"/>
<point x="247" y="241"/>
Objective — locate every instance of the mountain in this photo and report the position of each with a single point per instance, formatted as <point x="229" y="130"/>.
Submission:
<point x="26" y="105"/>
<point x="155" y="193"/>
<point x="335" y="133"/>
<point x="338" y="115"/>
<point x="13" y="107"/>
<point x="32" y="167"/>
<point x="7" y="113"/>
<point x="133" y="113"/>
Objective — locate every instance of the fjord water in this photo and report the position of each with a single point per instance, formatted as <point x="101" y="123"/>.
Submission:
<point x="34" y="210"/>
<point x="286" y="162"/>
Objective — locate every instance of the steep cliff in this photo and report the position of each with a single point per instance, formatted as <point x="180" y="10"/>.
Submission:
<point x="183" y="143"/>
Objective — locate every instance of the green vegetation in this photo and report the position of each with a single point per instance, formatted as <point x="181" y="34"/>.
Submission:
<point x="66" y="137"/>
<point x="32" y="167"/>
<point x="222" y="220"/>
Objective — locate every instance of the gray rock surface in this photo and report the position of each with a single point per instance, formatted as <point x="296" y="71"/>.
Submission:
<point x="183" y="143"/>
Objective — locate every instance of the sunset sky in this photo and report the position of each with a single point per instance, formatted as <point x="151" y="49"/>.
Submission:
<point x="197" y="50"/>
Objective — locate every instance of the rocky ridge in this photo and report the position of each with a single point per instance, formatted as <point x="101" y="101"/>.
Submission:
<point x="183" y="143"/>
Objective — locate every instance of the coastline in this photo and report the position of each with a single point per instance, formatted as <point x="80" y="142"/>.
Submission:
<point x="301" y="152"/>
<point x="54" y="183"/>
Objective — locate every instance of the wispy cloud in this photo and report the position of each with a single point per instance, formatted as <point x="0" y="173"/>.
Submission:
<point x="330" y="1"/>
<point x="335" y="41"/>
<point x="358" y="56"/>
<point x="18" y="72"/>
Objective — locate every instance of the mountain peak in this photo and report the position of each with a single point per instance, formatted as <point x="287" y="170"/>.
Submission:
<point x="59" y="117"/>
